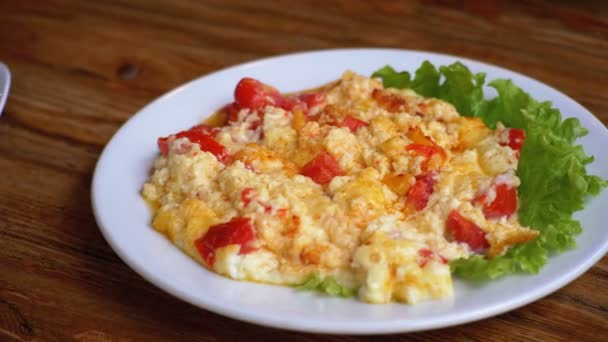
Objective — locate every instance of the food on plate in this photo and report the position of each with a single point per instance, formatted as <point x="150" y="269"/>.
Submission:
<point x="353" y="188"/>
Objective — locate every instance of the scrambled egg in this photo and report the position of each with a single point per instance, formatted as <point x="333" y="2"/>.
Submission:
<point x="380" y="224"/>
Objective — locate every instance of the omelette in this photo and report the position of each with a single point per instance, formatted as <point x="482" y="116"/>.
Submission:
<point x="377" y="188"/>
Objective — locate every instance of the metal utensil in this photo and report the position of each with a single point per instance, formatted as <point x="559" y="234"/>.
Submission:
<point x="5" y="83"/>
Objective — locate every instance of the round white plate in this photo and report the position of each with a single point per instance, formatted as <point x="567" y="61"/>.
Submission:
<point x="124" y="218"/>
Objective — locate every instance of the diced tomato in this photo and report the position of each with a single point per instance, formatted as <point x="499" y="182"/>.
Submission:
<point x="421" y="191"/>
<point x="353" y="123"/>
<point x="253" y="94"/>
<point x="233" y="112"/>
<point x="233" y="116"/>
<point x="322" y="169"/>
<point x="247" y="196"/>
<point x="207" y="143"/>
<point x="312" y="99"/>
<point x="428" y="151"/>
<point x="463" y="230"/>
<point x="289" y="103"/>
<point x="257" y="123"/>
<point x="304" y="101"/>
<point x="426" y="255"/>
<point x="212" y="131"/>
<point x="197" y="135"/>
<point x="516" y="137"/>
<point x="163" y="145"/>
<point x="238" y="231"/>
<point x="388" y="101"/>
<point x="503" y="204"/>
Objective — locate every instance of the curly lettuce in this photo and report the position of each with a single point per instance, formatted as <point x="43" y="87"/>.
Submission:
<point x="552" y="168"/>
<point x="327" y="285"/>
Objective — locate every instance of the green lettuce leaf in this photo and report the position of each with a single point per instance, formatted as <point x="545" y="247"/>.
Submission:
<point x="425" y="82"/>
<point x="552" y="169"/>
<point x="327" y="285"/>
<point x="393" y="79"/>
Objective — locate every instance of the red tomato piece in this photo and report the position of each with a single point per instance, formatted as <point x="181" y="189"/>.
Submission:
<point x="238" y="231"/>
<point x="515" y="139"/>
<point x="322" y="169"/>
<point x="212" y="131"/>
<point x="353" y="123"/>
<point x="303" y="101"/>
<point x="421" y="191"/>
<point x="289" y="103"/>
<point x="207" y="143"/>
<point x="388" y="101"/>
<point x="427" y="255"/>
<point x="503" y="204"/>
<point x="247" y="196"/>
<point x="463" y="230"/>
<point x="312" y="99"/>
<point x="163" y="145"/>
<point x="197" y="135"/>
<point x="253" y="94"/>
<point x="257" y="123"/>
<point x="233" y="112"/>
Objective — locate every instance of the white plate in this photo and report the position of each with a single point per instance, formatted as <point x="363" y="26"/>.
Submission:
<point x="5" y="84"/>
<point x="124" y="217"/>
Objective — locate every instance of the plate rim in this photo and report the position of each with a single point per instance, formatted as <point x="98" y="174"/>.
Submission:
<point x="381" y="327"/>
<point x="5" y="90"/>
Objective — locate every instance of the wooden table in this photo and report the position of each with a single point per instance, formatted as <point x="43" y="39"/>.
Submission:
<point x="81" y="68"/>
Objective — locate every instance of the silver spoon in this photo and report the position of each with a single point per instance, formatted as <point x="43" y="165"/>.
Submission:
<point x="5" y="83"/>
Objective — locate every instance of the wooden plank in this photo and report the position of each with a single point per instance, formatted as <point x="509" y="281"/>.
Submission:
<point x="82" y="68"/>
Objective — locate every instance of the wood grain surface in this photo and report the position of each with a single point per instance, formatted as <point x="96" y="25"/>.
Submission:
<point x="81" y="68"/>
